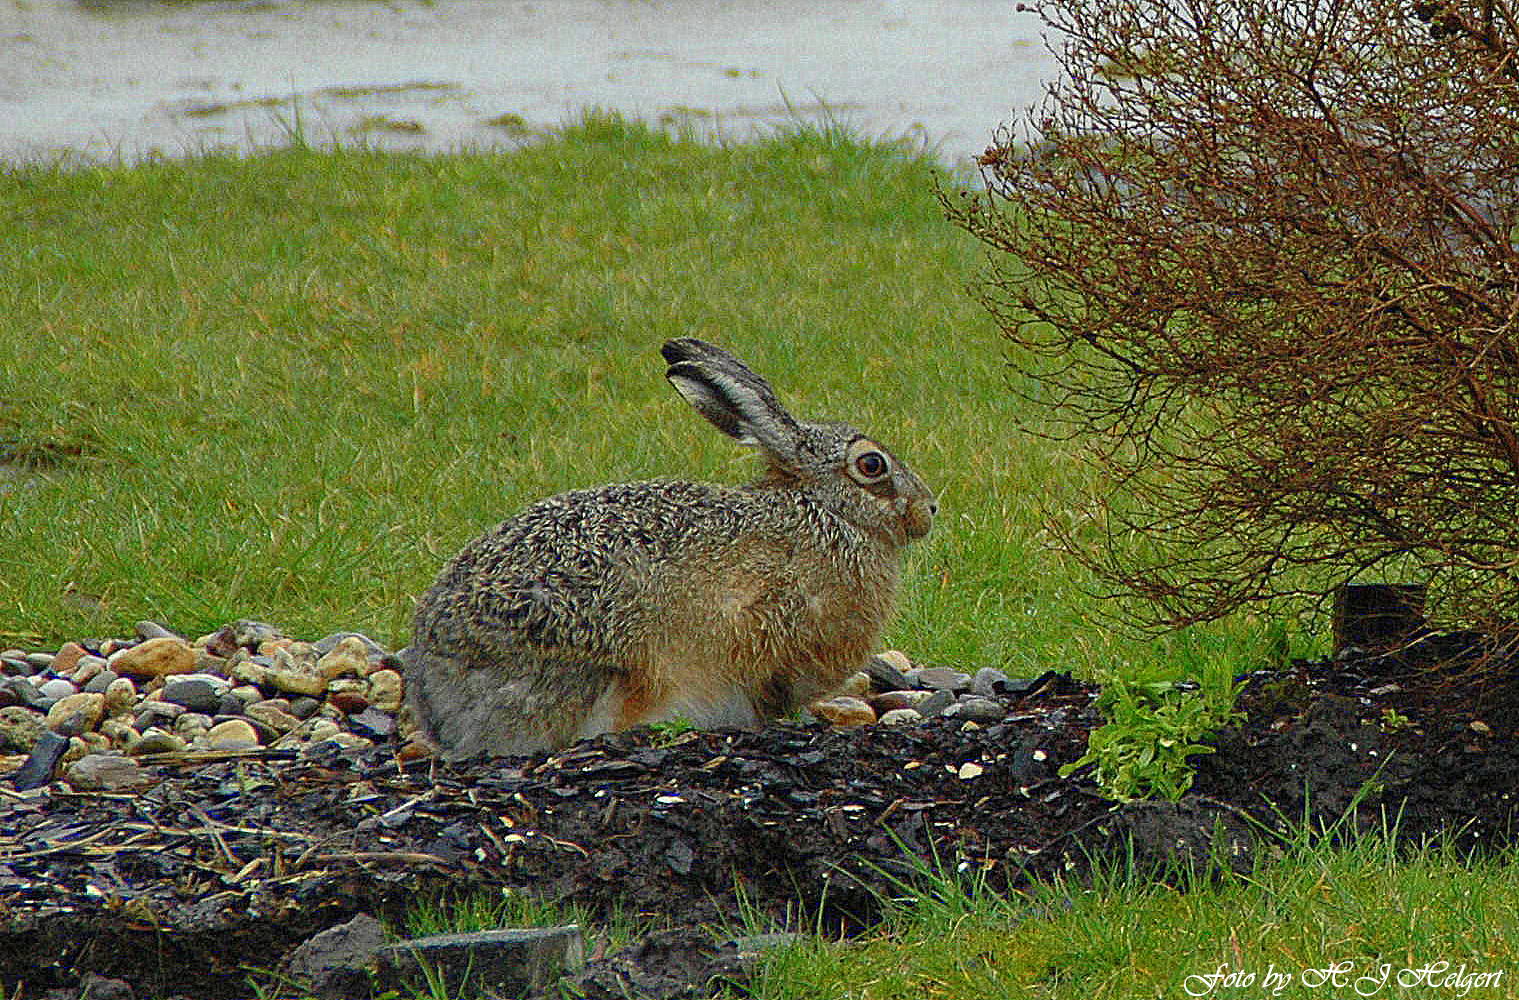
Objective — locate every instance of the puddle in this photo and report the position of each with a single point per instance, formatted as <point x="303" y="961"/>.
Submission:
<point x="103" y="78"/>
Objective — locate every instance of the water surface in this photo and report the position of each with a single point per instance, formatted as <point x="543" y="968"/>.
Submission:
<point x="130" y="77"/>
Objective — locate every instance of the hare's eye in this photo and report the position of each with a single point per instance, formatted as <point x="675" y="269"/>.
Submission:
<point x="871" y="465"/>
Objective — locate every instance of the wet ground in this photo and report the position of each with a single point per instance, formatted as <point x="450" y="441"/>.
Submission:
<point x="233" y="860"/>
<point x="102" y="77"/>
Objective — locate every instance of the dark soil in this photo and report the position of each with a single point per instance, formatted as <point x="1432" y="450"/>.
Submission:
<point x="231" y="861"/>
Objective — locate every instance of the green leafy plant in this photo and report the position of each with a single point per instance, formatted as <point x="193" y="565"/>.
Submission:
<point x="1394" y="721"/>
<point x="1153" y="728"/>
<point x="669" y="732"/>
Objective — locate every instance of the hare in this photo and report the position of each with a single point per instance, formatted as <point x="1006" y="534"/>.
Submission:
<point x="601" y="609"/>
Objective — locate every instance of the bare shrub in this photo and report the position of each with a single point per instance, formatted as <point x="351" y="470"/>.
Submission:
<point x="1263" y="257"/>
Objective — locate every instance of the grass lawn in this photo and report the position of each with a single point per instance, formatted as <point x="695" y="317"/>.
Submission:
<point x="1321" y="922"/>
<point x="288" y="387"/>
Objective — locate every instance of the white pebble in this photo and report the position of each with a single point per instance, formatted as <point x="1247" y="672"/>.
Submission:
<point x="56" y="688"/>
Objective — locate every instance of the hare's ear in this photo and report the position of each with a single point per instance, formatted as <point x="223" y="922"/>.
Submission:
<point x="725" y="391"/>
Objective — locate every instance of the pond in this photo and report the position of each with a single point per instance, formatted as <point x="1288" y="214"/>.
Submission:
<point x="101" y="78"/>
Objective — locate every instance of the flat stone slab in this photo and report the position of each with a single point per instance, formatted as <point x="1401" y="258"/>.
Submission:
<point x="509" y="962"/>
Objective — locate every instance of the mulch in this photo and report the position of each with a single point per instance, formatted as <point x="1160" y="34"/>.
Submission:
<point x="232" y="859"/>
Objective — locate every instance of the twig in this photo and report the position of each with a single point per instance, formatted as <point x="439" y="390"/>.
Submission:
<point x="403" y="857"/>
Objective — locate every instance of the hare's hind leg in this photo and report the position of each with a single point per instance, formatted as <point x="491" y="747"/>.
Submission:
<point x="470" y="710"/>
<point x="725" y="708"/>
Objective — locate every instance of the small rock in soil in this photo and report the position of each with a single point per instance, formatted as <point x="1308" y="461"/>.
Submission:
<point x="843" y="711"/>
<point x="155" y="740"/>
<point x="93" y="987"/>
<point x="196" y="692"/>
<point x="385" y="690"/>
<point x="105" y="773"/>
<point x="889" y="701"/>
<point x="76" y="714"/>
<point x="974" y="709"/>
<point x="942" y="679"/>
<point x="373" y="723"/>
<point x="101" y="680"/>
<point x="20" y="727"/>
<point x="304" y="708"/>
<point x="884" y="674"/>
<point x="153" y="630"/>
<point x="336" y="963"/>
<point x="989" y="682"/>
<point x="56" y="688"/>
<point x="66" y="660"/>
<point x="234" y="734"/>
<point x="154" y="658"/>
<point x="935" y="703"/>
<point x="38" y="768"/>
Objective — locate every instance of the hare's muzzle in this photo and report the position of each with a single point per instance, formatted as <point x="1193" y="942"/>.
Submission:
<point x="918" y="518"/>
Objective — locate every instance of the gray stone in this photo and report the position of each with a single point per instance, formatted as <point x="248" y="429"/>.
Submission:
<point x="101" y="681"/>
<point x="884" y="676"/>
<point x="372" y="723"/>
<point x="304" y="708"/>
<point x="56" y="688"/>
<point x="97" y="772"/>
<point x="208" y="663"/>
<point x="37" y="769"/>
<point x="326" y="645"/>
<point x="230" y="704"/>
<point x="153" y="630"/>
<point x="157" y="713"/>
<point x="337" y="962"/>
<point x="156" y="740"/>
<point x="25" y="693"/>
<point x="20" y="727"/>
<point x="935" y="703"/>
<point x="974" y="709"/>
<point x="192" y="724"/>
<point x="40" y="661"/>
<point x="942" y="679"/>
<point x="900" y="717"/>
<point x="502" y="962"/>
<point x="989" y="682"/>
<point x="97" y="987"/>
<point x="196" y="692"/>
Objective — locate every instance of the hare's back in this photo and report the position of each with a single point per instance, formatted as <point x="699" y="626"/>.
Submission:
<point x="582" y="569"/>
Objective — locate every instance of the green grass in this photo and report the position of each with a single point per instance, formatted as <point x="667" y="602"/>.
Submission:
<point x="290" y="386"/>
<point x="1323" y="920"/>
